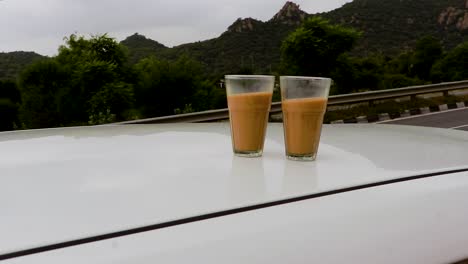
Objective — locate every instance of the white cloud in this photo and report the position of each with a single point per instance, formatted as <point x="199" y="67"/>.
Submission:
<point x="41" y="25"/>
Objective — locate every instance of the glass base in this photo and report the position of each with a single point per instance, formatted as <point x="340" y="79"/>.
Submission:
<point x="301" y="157"/>
<point x="248" y="154"/>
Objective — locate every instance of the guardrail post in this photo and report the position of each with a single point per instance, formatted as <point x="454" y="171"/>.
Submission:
<point x="446" y="93"/>
<point x="413" y="97"/>
<point x="371" y="103"/>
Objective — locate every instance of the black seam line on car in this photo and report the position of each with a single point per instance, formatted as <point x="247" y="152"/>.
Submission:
<point x="215" y="215"/>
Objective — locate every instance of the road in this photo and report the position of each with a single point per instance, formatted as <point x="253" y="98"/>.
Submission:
<point x="453" y="119"/>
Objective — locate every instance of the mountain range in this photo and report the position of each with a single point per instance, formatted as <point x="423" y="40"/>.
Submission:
<point x="388" y="27"/>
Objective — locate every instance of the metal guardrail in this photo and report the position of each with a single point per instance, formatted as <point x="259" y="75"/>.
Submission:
<point x="354" y="98"/>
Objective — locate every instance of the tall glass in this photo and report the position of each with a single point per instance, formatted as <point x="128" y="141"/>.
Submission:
<point x="304" y="102"/>
<point x="249" y="102"/>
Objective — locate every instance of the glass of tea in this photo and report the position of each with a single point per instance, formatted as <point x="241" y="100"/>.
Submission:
<point x="303" y="102"/>
<point x="249" y="101"/>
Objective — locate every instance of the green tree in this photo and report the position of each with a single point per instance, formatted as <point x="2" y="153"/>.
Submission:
<point x="357" y="74"/>
<point x="427" y="52"/>
<point x="9" y="101"/>
<point x="87" y="82"/>
<point x="401" y="64"/>
<point x="99" y="80"/>
<point x="374" y="72"/>
<point x="41" y="87"/>
<point x="9" y="89"/>
<point x="166" y="88"/>
<point x="112" y="98"/>
<point x="314" y="48"/>
<point x="8" y="112"/>
<point x="453" y="67"/>
<point x="391" y="81"/>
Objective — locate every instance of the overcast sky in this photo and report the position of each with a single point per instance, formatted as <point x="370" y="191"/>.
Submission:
<point x="41" y="25"/>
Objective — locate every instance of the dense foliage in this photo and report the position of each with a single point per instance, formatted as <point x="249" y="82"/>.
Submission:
<point x="377" y="71"/>
<point x="454" y="66"/>
<point x="314" y="48"/>
<point x="139" y="47"/>
<point x="166" y="88"/>
<point x="392" y="26"/>
<point x="92" y="80"/>
<point x="388" y="27"/>
<point x="319" y="48"/>
<point x="256" y="48"/>
<point x="10" y="99"/>
<point x="12" y="63"/>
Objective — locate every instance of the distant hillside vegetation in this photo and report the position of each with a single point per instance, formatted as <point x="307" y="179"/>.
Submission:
<point x="389" y="27"/>
<point x="248" y="45"/>
<point x="12" y="63"/>
<point x="140" y="47"/>
<point x="392" y="26"/>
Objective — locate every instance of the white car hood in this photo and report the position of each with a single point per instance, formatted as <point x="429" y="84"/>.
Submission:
<point x="58" y="185"/>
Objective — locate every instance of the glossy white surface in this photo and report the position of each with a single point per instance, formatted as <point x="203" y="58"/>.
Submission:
<point x="420" y="221"/>
<point x="63" y="184"/>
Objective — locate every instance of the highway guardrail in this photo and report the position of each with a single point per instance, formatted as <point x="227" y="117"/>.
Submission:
<point x="354" y="98"/>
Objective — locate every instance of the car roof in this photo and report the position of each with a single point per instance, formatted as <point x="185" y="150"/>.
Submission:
<point x="417" y="221"/>
<point x="58" y="185"/>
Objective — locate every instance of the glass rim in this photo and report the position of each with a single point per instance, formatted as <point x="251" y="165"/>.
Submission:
<point x="305" y="77"/>
<point x="240" y="76"/>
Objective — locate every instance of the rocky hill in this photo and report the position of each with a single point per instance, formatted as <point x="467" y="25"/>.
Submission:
<point x="391" y="26"/>
<point x="253" y="46"/>
<point x="388" y="26"/>
<point x="248" y="45"/>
